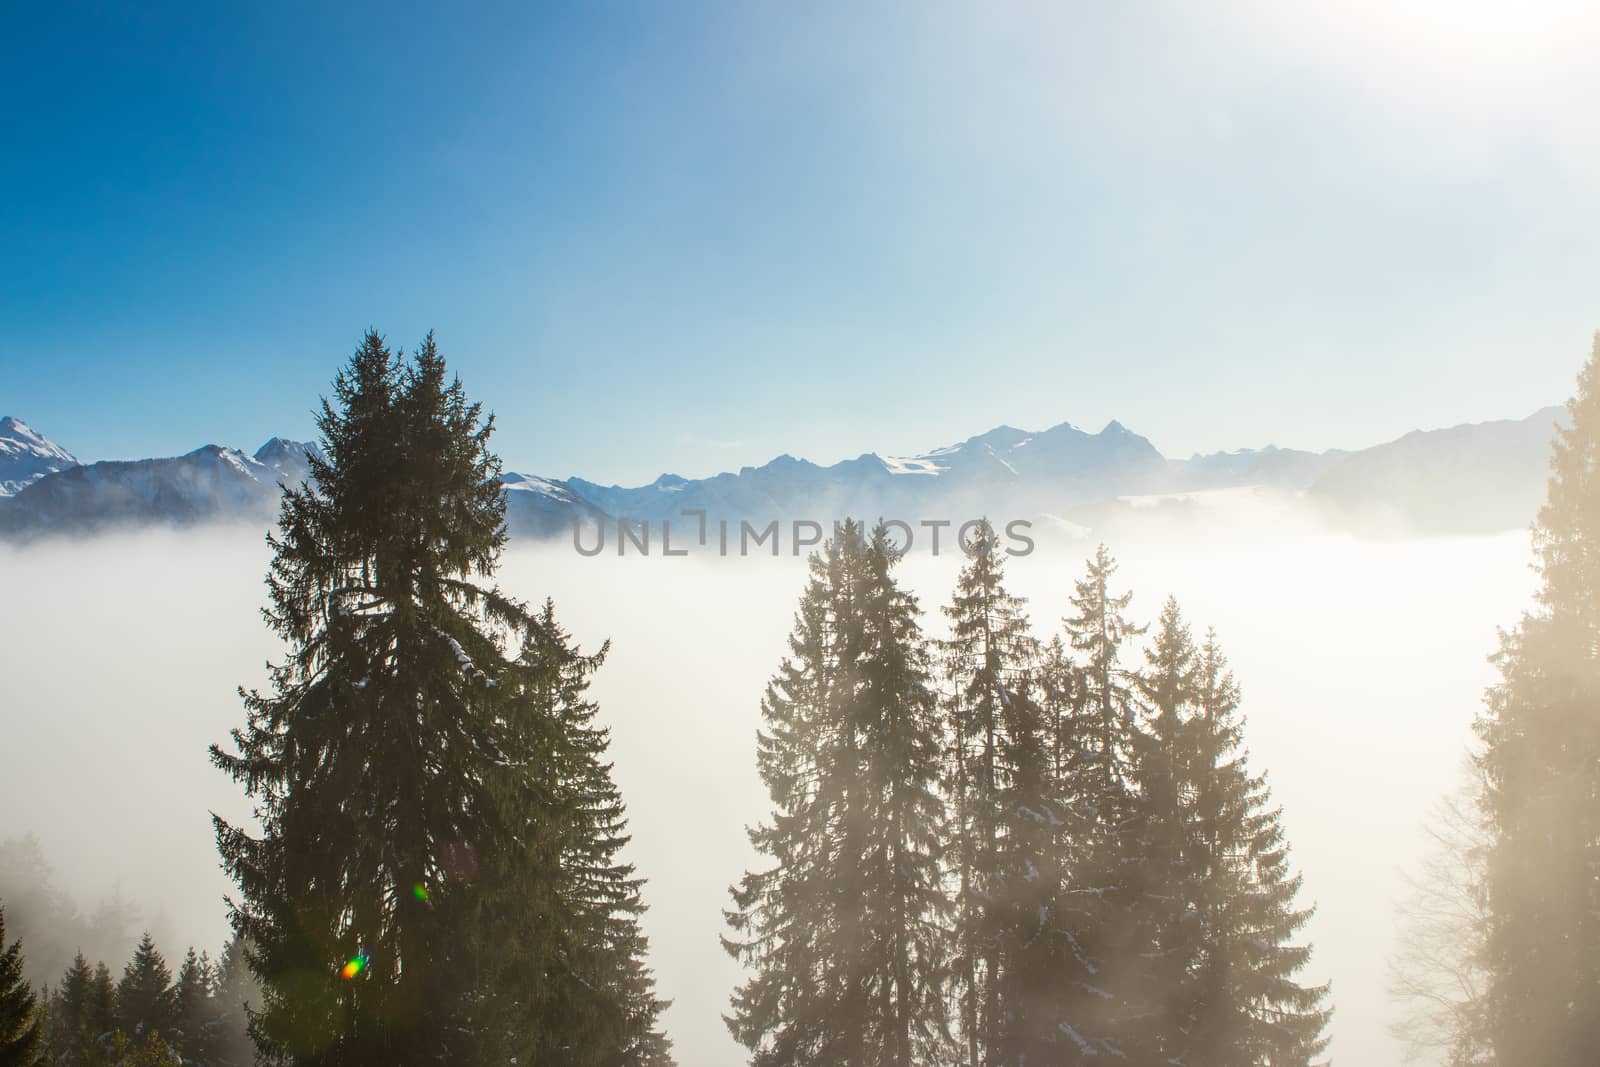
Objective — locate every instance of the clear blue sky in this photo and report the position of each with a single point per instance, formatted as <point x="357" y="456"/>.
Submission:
<point x="673" y="236"/>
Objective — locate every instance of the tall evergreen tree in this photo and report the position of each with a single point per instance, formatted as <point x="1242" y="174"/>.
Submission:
<point x="586" y="997"/>
<point x="101" y="1014"/>
<point x="71" y="1028"/>
<point x="1093" y="738"/>
<point x="193" y="1017"/>
<point x="786" y="1010"/>
<point x="21" y="1032"/>
<point x="413" y="833"/>
<point x="846" y="931"/>
<point x="1168" y="938"/>
<point x="988" y="659"/>
<point x="1541" y="788"/>
<point x="1245" y="1004"/>
<point x="233" y="990"/>
<point x="146" y="997"/>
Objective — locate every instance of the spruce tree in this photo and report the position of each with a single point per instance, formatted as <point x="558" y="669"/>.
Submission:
<point x="786" y="1010"/>
<point x="1541" y="788"/>
<point x="1094" y="737"/>
<point x="1041" y="973"/>
<point x="80" y="1014"/>
<point x="101" y="1014"/>
<point x="415" y="839"/>
<point x="1244" y="1004"/>
<point x="146" y="998"/>
<point x="1167" y="937"/>
<point x="193" y="1018"/>
<point x="846" y="930"/>
<point x="899" y="824"/>
<point x="233" y="990"/>
<point x="585" y="997"/>
<point x="987" y="659"/>
<point x="21" y="1033"/>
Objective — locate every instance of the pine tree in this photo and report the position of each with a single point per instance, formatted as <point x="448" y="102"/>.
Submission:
<point x="786" y="1010"/>
<point x="987" y="659"/>
<point x="71" y="1028"/>
<point x="146" y="998"/>
<point x="1018" y="967"/>
<point x="1164" y="887"/>
<point x="846" y="930"/>
<point x="899" y="826"/>
<point x="102" y="1010"/>
<point x="1041" y="972"/>
<point x="1245" y="1005"/>
<point x="589" y="991"/>
<point x="233" y="990"/>
<point x="1541" y="796"/>
<point x="1093" y="739"/>
<point x="193" y="1018"/>
<point x="414" y="834"/>
<point x="21" y="1034"/>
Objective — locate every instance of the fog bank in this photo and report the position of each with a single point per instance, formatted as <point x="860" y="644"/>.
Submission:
<point x="1362" y="665"/>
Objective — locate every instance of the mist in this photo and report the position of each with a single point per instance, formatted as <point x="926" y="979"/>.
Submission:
<point x="1362" y="665"/>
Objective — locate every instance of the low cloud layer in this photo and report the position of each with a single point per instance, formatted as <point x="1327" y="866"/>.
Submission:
<point x="1362" y="666"/>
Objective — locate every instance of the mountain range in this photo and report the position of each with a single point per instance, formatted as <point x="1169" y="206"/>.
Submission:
<point x="1472" y="478"/>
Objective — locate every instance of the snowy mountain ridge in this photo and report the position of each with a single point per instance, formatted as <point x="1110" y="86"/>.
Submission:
<point x="27" y="455"/>
<point x="1472" y="477"/>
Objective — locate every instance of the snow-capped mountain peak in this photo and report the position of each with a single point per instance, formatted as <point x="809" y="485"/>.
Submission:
<point x="27" y="455"/>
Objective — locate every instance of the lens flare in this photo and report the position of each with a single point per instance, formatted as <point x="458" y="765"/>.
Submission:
<point x="357" y="964"/>
<point x="420" y="891"/>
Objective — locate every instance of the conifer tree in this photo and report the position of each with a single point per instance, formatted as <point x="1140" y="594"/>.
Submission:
<point x="900" y="830"/>
<point x="146" y="998"/>
<point x="988" y="659"/>
<point x="1167" y="937"/>
<point x="846" y="931"/>
<point x="233" y="990"/>
<point x="590" y="992"/>
<point x="1041" y="973"/>
<point x="70" y="1025"/>
<point x="193" y="1017"/>
<point x="102" y="1012"/>
<point x="1245" y="1004"/>
<point x="785" y="1012"/>
<point x="415" y="836"/>
<point x="1541" y="788"/>
<point x="21" y="1033"/>
<point x="1094" y="730"/>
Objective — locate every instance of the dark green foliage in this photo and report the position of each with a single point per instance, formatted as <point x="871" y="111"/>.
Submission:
<point x="90" y="1019"/>
<point x="433" y="803"/>
<point x="846" y="930"/>
<point x="1217" y="916"/>
<point x="1541" y="786"/>
<point x="100" y="1016"/>
<point x="71" y="1028"/>
<point x="572" y="984"/>
<point x="146" y="997"/>
<point x="21" y="1033"/>
<point x="148" y="1049"/>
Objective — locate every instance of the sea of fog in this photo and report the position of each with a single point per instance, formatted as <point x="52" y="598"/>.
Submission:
<point x="1362" y="666"/>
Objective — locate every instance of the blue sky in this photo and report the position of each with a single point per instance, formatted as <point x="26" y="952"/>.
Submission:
<point x="688" y="237"/>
